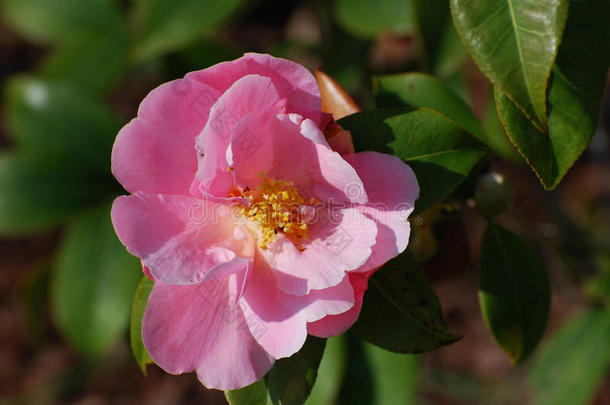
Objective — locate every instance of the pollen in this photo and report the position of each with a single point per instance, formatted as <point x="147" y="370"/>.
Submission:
<point x="276" y="207"/>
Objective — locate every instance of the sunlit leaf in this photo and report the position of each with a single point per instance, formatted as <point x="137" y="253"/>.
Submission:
<point x="514" y="42"/>
<point x="422" y="90"/>
<point x="135" y="331"/>
<point x="440" y="152"/>
<point x="576" y="91"/>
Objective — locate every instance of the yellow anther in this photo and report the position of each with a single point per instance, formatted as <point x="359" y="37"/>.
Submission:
<point x="276" y="207"/>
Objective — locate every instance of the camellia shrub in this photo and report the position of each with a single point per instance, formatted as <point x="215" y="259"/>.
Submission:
<point x="251" y="209"/>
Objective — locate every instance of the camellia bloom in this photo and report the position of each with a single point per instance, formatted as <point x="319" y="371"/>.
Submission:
<point x="253" y="229"/>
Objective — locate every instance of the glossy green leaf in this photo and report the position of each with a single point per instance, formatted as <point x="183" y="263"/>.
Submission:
<point x="496" y="136"/>
<point x="401" y="312"/>
<point x="95" y="281"/>
<point x="52" y="119"/>
<point x="357" y="386"/>
<point x="39" y="194"/>
<point x="166" y="25"/>
<point x="93" y="62"/>
<point x="394" y="376"/>
<point x="135" y="331"/>
<point x="440" y="152"/>
<point x="576" y="90"/>
<point x="61" y="21"/>
<point x="573" y="362"/>
<point x="514" y="42"/>
<point x="514" y="291"/>
<point x="422" y="90"/>
<point x="369" y="18"/>
<point x="330" y="373"/>
<point x="290" y="380"/>
<point x="254" y="394"/>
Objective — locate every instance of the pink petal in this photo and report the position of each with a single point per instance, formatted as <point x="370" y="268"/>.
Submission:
<point x="339" y="241"/>
<point x="179" y="239"/>
<point x="278" y="321"/>
<point x="155" y="152"/>
<point x="201" y="327"/>
<point x="293" y="82"/>
<point x="294" y="149"/>
<point x="333" y="325"/>
<point x="251" y="95"/>
<point x="392" y="189"/>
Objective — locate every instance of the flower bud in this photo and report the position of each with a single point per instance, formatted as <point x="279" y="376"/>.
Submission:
<point x="493" y="194"/>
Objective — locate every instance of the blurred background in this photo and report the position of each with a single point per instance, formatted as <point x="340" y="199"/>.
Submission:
<point x="74" y="71"/>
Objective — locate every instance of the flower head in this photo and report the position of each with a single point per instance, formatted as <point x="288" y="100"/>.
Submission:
<point x="255" y="231"/>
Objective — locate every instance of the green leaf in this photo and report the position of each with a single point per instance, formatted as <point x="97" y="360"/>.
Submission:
<point x="369" y="18"/>
<point x="573" y="362"/>
<point x="330" y="373"/>
<point x="38" y="194"/>
<point x="394" y="376"/>
<point x="441" y="153"/>
<point x="52" y="119"/>
<point x="451" y="55"/>
<point x="254" y="394"/>
<point x="95" y="281"/>
<point x="576" y="91"/>
<point x="497" y="138"/>
<point x="440" y="43"/>
<point x="514" y="291"/>
<point x="166" y="25"/>
<point x="290" y="380"/>
<point x="48" y="21"/>
<point x="401" y="312"/>
<point x="514" y="42"/>
<point x="135" y="332"/>
<point x="91" y="37"/>
<point x="422" y="90"/>
<point x="357" y="386"/>
<point x="432" y="16"/>
<point x="94" y="62"/>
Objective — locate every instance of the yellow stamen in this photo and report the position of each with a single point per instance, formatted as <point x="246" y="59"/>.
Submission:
<point x="276" y="207"/>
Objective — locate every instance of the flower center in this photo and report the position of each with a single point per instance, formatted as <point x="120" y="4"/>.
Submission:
<point x="276" y="207"/>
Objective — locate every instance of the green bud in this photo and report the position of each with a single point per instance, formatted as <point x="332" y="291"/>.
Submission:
<point x="493" y="194"/>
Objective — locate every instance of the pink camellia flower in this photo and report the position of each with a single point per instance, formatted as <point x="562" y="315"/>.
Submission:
<point x="253" y="229"/>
